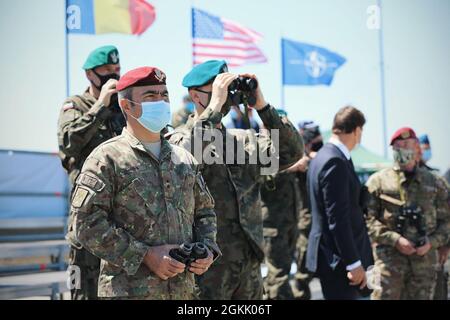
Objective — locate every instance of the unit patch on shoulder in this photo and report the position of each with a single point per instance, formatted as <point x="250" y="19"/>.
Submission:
<point x="79" y="197"/>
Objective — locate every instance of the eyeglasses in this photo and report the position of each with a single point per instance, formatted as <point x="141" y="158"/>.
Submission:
<point x="202" y="91"/>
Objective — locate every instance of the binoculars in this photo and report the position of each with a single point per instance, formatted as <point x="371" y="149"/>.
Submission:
<point x="242" y="91"/>
<point x="187" y="252"/>
<point x="414" y="215"/>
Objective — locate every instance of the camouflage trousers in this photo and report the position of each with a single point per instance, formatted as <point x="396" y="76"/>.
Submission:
<point x="89" y="272"/>
<point x="405" y="277"/>
<point x="441" y="290"/>
<point x="302" y="277"/>
<point x="173" y="296"/>
<point x="234" y="276"/>
<point x="280" y="245"/>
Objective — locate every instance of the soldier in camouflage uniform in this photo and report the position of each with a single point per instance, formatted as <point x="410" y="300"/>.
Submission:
<point x="423" y="156"/>
<point x="313" y="140"/>
<point x="86" y="121"/>
<point x="137" y="197"/>
<point x="408" y="219"/>
<point x="234" y="186"/>
<point x="280" y="200"/>
<point x="181" y="116"/>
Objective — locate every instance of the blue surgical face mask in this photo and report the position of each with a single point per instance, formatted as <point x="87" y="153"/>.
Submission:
<point x="426" y="155"/>
<point x="155" y="115"/>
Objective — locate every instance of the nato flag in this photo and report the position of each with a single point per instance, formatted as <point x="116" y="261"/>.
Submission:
<point x="308" y="65"/>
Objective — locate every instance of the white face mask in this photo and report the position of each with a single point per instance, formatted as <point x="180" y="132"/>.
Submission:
<point x="155" y="115"/>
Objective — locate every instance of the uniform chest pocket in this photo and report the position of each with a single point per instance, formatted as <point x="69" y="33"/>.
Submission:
<point x="138" y="208"/>
<point x="427" y="201"/>
<point x="149" y="194"/>
<point x="185" y="197"/>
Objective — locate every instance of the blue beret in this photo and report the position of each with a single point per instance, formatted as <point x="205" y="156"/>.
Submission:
<point x="203" y="73"/>
<point x="423" y="139"/>
<point x="308" y="124"/>
<point x="282" y="113"/>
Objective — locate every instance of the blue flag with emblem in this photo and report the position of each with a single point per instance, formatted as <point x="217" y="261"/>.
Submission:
<point x="308" y="65"/>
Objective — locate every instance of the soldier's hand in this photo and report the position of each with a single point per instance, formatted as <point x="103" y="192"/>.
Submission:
<point x="220" y="90"/>
<point x="108" y="89"/>
<point x="159" y="262"/>
<point x="423" y="250"/>
<point x="357" y="277"/>
<point x="301" y="165"/>
<point x="200" y="266"/>
<point x="312" y="154"/>
<point x="443" y="254"/>
<point x="405" y="246"/>
<point x="260" y="102"/>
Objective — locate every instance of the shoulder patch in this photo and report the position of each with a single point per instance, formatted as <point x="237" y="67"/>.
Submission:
<point x="92" y="182"/>
<point x="79" y="197"/>
<point x="68" y="106"/>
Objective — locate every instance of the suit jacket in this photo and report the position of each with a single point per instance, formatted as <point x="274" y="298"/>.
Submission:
<point x="338" y="234"/>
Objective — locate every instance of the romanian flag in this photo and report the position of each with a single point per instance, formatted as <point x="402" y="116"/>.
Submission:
<point x="109" y="16"/>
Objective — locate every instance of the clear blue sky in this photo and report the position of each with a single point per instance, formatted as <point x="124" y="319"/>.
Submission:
<point x="417" y="51"/>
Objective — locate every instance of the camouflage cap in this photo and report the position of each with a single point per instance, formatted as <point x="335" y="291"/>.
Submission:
<point x="101" y="56"/>
<point x="203" y="73"/>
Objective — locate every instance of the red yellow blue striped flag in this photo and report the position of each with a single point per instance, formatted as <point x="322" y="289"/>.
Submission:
<point x="109" y="16"/>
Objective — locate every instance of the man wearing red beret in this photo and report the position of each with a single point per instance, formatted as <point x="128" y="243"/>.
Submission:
<point x="138" y="197"/>
<point x="408" y="219"/>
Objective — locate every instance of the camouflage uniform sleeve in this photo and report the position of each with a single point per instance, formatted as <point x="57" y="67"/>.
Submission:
<point x="291" y="145"/>
<point x="205" y="223"/>
<point x="378" y="231"/>
<point x="440" y="236"/>
<point x="209" y="118"/>
<point x="202" y="126"/>
<point x="92" y="206"/>
<point x="76" y="129"/>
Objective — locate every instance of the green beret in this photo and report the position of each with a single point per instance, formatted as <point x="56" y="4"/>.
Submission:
<point x="203" y="73"/>
<point x="101" y="56"/>
<point x="282" y="113"/>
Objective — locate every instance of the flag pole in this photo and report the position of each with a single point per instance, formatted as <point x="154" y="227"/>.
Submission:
<point x="282" y="77"/>
<point x="192" y="32"/>
<point x="66" y="34"/>
<point x="382" y="84"/>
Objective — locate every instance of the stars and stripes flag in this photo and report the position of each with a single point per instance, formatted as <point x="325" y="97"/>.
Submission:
<point x="216" y="38"/>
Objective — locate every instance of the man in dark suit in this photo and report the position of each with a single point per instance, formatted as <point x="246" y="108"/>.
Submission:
<point x="339" y="249"/>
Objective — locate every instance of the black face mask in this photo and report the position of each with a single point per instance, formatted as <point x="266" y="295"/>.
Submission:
<point x="316" y="146"/>
<point x="104" y="78"/>
<point x="226" y="106"/>
<point x="209" y="93"/>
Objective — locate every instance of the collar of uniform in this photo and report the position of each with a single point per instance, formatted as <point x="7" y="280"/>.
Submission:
<point x="166" y="148"/>
<point x="402" y="175"/>
<point x="89" y="96"/>
<point x="191" y="121"/>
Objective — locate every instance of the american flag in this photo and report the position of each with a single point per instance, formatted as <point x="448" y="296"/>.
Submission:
<point x="215" y="38"/>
